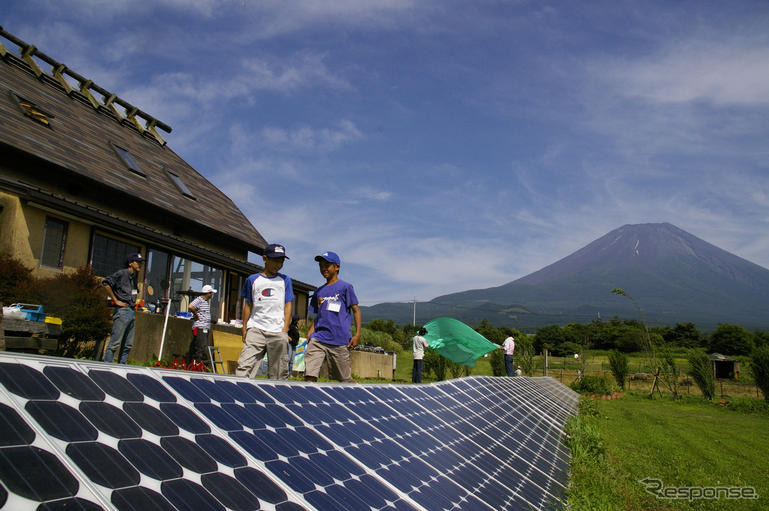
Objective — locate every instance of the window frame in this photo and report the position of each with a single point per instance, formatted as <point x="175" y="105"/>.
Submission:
<point x="63" y="241"/>
<point x="121" y="258"/>
<point x="179" y="184"/>
<point x="128" y="159"/>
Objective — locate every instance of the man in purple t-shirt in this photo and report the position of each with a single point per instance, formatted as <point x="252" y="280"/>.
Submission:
<point x="329" y="336"/>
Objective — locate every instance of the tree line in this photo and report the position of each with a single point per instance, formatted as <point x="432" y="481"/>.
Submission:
<point x="625" y="335"/>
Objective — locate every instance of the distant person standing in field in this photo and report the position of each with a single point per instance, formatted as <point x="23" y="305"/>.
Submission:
<point x="267" y="304"/>
<point x="418" y="345"/>
<point x="334" y="304"/>
<point x="509" y="348"/>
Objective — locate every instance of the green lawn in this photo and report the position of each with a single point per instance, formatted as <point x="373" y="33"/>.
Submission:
<point x="681" y="443"/>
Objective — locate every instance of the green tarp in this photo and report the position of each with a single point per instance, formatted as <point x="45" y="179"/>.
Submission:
<point x="456" y="341"/>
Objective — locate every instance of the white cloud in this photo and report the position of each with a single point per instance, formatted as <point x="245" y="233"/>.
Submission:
<point x="306" y="138"/>
<point x="716" y="71"/>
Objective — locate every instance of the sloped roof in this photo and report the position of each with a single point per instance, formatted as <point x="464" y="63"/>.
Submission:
<point x="717" y="357"/>
<point x="81" y="135"/>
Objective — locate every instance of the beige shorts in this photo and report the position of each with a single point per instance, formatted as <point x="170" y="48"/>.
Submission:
<point x="338" y="358"/>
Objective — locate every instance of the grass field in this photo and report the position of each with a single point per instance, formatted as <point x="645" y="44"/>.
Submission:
<point x="684" y="443"/>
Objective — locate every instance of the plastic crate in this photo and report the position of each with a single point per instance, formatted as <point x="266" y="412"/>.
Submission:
<point x="33" y="312"/>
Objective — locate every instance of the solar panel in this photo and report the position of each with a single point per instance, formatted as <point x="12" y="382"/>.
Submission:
<point x="88" y="435"/>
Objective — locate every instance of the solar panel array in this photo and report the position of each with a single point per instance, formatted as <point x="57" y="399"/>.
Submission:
<point x="87" y="435"/>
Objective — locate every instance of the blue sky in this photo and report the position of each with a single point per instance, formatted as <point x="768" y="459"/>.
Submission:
<point x="440" y="146"/>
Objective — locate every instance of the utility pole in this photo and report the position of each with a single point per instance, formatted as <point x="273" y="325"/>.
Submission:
<point x="414" y="317"/>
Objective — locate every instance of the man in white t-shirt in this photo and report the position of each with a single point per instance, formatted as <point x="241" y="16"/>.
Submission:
<point x="509" y="348"/>
<point x="419" y="344"/>
<point x="267" y="305"/>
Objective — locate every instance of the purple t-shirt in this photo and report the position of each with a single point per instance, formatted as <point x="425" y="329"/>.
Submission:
<point x="331" y="304"/>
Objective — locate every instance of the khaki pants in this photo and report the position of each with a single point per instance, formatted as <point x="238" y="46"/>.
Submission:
<point x="338" y="358"/>
<point x="258" y="343"/>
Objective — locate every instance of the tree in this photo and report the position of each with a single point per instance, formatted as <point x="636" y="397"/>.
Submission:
<point x="731" y="340"/>
<point x="548" y="337"/>
<point x="524" y="349"/>
<point x="15" y="278"/>
<point x="759" y="362"/>
<point x="701" y="371"/>
<point x="618" y="363"/>
<point x="760" y="338"/>
<point x="685" y="335"/>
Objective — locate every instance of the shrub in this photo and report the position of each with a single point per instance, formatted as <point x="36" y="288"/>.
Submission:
<point x="592" y="385"/>
<point x="78" y="300"/>
<point x="497" y="362"/>
<point x="618" y="363"/>
<point x="436" y="364"/>
<point x="748" y="405"/>
<point x="759" y="363"/>
<point x="582" y="435"/>
<point x="379" y="338"/>
<point x="457" y="370"/>
<point x="15" y="279"/>
<point x="701" y="371"/>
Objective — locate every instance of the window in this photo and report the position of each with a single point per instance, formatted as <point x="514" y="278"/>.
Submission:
<point x="54" y="239"/>
<point x="189" y="275"/>
<point x="180" y="185"/>
<point x="109" y="254"/>
<point x="156" y="274"/>
<point x="129" y="161"/>
<point x="234" y="301"/>
<point x="32" y="111"/>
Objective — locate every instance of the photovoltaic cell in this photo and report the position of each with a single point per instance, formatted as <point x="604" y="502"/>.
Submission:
<point x="88" y="435"/>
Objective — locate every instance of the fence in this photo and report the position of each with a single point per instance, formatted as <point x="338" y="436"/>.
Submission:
<point x="640" y="377"/>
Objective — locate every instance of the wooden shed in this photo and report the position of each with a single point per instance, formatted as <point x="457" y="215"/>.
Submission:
<point x="724" y="367"/>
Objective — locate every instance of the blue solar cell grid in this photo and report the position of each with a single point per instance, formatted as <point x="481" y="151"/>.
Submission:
<point x="87" y="435"/>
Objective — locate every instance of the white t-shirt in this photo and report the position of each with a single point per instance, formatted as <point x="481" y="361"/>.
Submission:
<point x="268" y="297"/>
<point x="509" y="346"/>
<point x="419" y="345"/>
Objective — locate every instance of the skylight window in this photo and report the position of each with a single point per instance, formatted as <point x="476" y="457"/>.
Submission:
<point x="33" y="111"/>
<point x="128" y="160"/>
<point x="180" y="185"/>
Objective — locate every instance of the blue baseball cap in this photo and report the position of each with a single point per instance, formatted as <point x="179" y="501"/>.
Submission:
<point x="274" y="250"/>
<point x="331" y="257"/>
<point x="136" y="256"/>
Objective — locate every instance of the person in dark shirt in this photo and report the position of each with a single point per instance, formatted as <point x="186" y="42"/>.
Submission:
<point x="122" y="290"/>
<point x="293" y="340"/>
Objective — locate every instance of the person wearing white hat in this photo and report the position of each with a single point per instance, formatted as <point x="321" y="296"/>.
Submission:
<point x="201" y="313"/>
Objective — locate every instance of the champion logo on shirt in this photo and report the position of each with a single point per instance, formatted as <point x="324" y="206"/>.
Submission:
<point x="268" y="292"/>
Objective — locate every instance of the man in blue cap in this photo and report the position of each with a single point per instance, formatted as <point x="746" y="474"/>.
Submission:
<point x="267" y="304"/>
<point x="334" y="304"/>
<point x="122" y="290"/>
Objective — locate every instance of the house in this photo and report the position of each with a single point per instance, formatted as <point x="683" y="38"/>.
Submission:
<point x="86" y="178"/>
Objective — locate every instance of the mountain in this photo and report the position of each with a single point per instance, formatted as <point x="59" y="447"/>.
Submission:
<point x="672" y="275"/>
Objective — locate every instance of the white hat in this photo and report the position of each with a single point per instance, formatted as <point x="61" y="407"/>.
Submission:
<point x="207" y="289"/>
